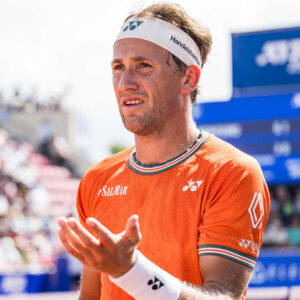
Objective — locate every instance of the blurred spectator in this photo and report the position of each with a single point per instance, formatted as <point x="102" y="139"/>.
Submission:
<point x="30" y="104"/>
<point x="55" y="148"/>
<point x="45" y="138"/>
<point x="294" y="231"/>
<point x="275" y="235"/>
<point x="10" y="257"/>
<point x="297" y="202"/>
<point x="3" y="205"/>
<point x="16" y="103"/>
<point x="286" y="205"/>
<point x="274" y="207"/>
<point x="61" y="152"/>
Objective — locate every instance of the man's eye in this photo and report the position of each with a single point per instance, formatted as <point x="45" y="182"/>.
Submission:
<point x="144" y="65"/>
<point x="118" y="67"/>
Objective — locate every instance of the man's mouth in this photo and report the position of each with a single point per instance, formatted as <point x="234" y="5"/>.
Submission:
<point x="129" y="101"/>
<point x="133" y="102"/>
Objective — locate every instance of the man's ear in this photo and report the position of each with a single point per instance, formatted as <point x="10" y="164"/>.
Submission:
<point x="190" y="79"/>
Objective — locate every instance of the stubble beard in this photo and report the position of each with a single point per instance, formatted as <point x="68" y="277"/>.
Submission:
<point x="147" y="124"/>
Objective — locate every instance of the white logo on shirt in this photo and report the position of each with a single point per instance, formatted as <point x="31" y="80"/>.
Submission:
<point x="192" y="186"/>
<point x="255" y="247"/>
<point x="256" y="210"/>
<point x="115" y="190"/>
<point x="244" y="243"/>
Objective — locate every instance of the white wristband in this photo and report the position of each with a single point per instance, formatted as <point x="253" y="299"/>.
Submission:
<point x="146" y="281"/>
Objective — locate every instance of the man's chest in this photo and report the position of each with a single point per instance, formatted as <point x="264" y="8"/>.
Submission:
<point x="168" y="205"/>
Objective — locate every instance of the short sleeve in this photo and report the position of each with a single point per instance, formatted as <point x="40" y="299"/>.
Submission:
<point x="83" y="199"/>
<point x="236" y="213"/>
<point x="81" y="205"/>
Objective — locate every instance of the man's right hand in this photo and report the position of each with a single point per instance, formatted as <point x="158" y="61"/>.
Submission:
<point x="104" y="251"/>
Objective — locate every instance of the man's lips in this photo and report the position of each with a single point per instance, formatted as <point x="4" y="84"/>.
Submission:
<point x="128" y="101"/>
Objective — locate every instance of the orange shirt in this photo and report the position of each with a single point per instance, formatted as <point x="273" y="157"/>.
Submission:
<point x="210" y="200"/>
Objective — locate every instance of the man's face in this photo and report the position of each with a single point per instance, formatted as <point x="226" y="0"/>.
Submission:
<point x="147" y="84"/>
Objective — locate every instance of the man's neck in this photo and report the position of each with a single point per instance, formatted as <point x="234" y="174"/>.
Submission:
<point x="159" y="148"/>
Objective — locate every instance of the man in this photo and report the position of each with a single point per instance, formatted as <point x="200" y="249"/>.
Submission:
<point x="194" y="206"/>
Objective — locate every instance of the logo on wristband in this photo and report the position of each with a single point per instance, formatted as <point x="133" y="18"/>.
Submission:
<point x="155" y="283"/>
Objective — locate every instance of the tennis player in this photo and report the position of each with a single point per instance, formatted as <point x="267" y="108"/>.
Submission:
<point x="181" y="214"/>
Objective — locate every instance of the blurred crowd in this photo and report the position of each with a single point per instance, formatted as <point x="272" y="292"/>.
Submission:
<point x="29" y="102"/>
<point x="283" y="229"/>
<point x="33" y="193"/>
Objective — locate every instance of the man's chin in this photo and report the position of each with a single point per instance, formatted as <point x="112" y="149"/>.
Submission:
<point x="137" y="129"/>
<point x="139" y="125"/>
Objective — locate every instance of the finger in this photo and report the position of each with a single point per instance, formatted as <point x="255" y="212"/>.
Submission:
<point x="85" y="236"/>
<point x="69" y="247"/>
<point x="71" y="239"/>
<point x="106" y="236"/>
<point x="132" y="231"/>
<point x="61" y="221"/>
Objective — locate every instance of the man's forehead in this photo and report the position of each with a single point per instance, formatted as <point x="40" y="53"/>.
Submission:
<point x="133" y="47"/>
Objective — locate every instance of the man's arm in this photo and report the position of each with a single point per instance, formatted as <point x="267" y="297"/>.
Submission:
<point x="116" y="255"/>
<point x="90" y="284"/>
<point x="222" y="276"/>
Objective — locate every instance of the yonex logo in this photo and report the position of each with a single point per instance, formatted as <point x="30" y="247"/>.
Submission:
<point x="133" y="25"/>
<point x="192" y="186"/>
<point x="245" y="243"/>
<point x="155" y="283"/>
<point x="256" y="210"/>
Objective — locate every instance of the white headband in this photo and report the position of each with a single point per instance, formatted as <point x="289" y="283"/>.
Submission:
<point x="165" y="35"/>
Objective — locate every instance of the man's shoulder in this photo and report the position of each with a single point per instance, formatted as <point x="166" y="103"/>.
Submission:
<point x="109" y="164"/>
<point x="220" y="153"/>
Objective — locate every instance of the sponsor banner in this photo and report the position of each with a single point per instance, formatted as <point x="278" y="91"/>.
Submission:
<point x="266" y="61"/>
<point x="276" y="268"/>
<point x="21" y="283"/>
<point x="56" y="280"/>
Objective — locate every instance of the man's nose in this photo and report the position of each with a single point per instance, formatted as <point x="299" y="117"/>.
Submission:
<point x="128" y="81"/>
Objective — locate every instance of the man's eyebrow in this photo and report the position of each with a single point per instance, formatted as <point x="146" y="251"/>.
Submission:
<point x="136" y="58"/>
<point x="116" y="61"/>
<point x="139" y="58"/>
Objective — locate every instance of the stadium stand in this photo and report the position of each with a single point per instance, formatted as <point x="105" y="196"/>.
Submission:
<point x="33" y="193"/>
<point x="283" y="228"/>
